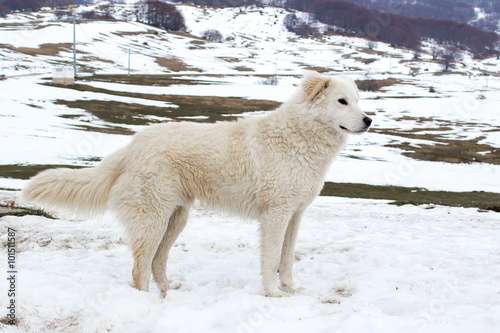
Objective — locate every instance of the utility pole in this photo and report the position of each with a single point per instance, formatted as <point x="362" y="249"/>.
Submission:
<point x="276" y="72"/>
<point x="129" y="61"/>
<point x="74" y="46"/>
<point x="390" y="65"/>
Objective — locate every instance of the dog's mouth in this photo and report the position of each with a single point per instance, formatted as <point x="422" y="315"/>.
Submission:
<point x="345" y="129"/>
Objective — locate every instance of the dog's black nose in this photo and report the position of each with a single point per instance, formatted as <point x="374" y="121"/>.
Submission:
<point x="367" y="121"/>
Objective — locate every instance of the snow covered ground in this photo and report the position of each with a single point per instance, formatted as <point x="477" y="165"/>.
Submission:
<point x="366" y="266"/>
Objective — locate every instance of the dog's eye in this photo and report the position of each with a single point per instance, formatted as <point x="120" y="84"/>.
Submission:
<point x="342" y="101"/>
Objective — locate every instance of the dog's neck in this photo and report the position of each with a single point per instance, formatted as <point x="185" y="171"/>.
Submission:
<point x="307" y="133"/>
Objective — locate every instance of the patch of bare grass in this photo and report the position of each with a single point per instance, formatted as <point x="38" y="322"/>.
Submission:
<point x="414" y="195"/>
<point x="144" y="80"/>
<point x="229" y="59"/>
<point x="12" y="210"/>
<point x="26" y="171"/>
<point x="314" y="68"/>
<point x="135" y="33"/>
<point x="119" y="112"/>
<point x="95" y="59"/>
<point x="175" y="65"/>
<point x="365" y="61"/>
<point x="212" y="108"/>
<point x="44" y="49"/>
<point x="440" y="147"/>
<point x="376" y="85"/>
<point x="243" y="69"/>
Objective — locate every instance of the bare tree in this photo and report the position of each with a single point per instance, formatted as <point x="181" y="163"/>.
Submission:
<point x="449" y="56"/>
<point x="160" y="14"/>
<point x="371" y="44"/>
<point x="301" y="25"/>
<point x="435" y="52"/>
<point x="213" y="35"/>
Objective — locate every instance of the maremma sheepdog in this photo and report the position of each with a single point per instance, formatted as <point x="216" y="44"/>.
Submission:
<point x="268" y="168"/>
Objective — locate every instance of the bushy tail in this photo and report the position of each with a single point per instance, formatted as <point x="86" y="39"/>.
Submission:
<point x="82" y="192"/>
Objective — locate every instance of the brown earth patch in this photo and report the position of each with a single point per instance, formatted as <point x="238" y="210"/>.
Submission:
<point x="314" y="68"/>
<point x="376" y="85"/>
<point x="146" y="80"/>
<point x="44" y="49"/>
<point x="95" y="59"/>
<point x="175" y="65"/>
<point x="243" y="69"/>
<point x="441" y="149"/>
<point x="135" y="33"/>
<point x="229" y="59"/>
<point x="212" y="107"/>
<point x="414" y="195"/>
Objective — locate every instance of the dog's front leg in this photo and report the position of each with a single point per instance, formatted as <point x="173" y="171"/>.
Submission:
<point x="273" y="226"/>
<point x="288" y="254"/>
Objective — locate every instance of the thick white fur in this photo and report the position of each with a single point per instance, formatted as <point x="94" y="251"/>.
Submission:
<point x="268" y="168"/>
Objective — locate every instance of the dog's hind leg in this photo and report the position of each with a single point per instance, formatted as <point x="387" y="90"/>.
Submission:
<point x="146" y="221"/>
<point x="176" y="224"/>
<point x="145" y="240"/>
<point x="273" y="225"/>
<point x="288" y="253"/>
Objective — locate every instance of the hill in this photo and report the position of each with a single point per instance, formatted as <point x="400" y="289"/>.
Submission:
<point x="38" y="41"/>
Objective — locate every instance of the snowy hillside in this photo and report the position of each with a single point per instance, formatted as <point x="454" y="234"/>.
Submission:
<point x="37" y="42"/>
<point x="366" y="265"/>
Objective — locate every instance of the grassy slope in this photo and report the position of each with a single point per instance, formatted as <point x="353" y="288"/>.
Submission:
<point x="414" y="196"/>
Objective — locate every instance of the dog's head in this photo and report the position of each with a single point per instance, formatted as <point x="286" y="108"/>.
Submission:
<point x="336" y="98"/>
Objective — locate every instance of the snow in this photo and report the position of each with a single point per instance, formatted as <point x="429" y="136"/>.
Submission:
<point x="32" y="132"/>
<point x="403" y="171"/>
<point x="365" y="266"/>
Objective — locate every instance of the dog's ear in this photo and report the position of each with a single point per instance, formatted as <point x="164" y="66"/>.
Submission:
<point x="313" y="83"/>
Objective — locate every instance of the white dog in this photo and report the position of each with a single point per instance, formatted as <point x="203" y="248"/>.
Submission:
<point x="268" y="168"/>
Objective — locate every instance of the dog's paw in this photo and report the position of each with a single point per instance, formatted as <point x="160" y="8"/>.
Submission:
<point x="292" y="289"/>
<point x="163" y="285"/>
<point x="277" y="293"/>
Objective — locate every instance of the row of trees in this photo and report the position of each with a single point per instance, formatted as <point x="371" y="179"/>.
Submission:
<point x="396" y="29"/>
<point x="402" y="26"/>
<point x="346" y="16"/>
<point x="460" y="11"/>
<point x="235" y="3"/>
<point x="477" y="41"/>
<point x="300" y="24"/>
<point x="160" y="14"/>
<point x="221" y="3"/>
<point x="10" y="6"/>
<point x="154" y="12"/>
